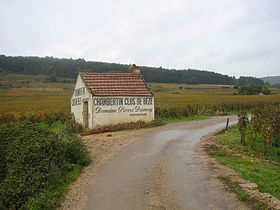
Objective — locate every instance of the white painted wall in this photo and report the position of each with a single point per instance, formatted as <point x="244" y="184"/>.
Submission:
<point x="78" y="97"/>
<point x="110" y="110"/>
<point x="120" y="109"/>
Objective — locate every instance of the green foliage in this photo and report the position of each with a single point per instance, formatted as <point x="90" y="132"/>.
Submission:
<point x="255" y="148"/>
<point x="252" y="89"/>
<point x="266" y="123"/>
<point x="266" y="91"/>
<point x="75" y="151"/>
<point x="181" y="119"/>
<point x="32" y="159"/>
<point x="8" y="134"/>
<point x="68" y="68"/>
<point x="264" y="126"/>
<point x="203" y="109"/>
<point x="243" y="196"/>
<point x="265" y="175"/>
<point x="71" y="126"/>
<point x="249" y="81"/>
<point x="243" y="125"/>
<point x="51" y="198"/>
<point x="249" y="161"/>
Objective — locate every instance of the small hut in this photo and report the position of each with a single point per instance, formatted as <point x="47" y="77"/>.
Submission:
<point x="101" y="99"/>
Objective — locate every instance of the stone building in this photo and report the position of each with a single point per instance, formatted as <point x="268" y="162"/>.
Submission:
<point x="101" y="99"/>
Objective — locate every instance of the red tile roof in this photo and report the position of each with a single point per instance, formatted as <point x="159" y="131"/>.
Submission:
<point x="116" y="84"/>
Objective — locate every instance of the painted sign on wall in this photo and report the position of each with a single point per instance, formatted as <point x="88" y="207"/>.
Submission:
<point x="133" y="106"/>
<point x="77" y="94"/>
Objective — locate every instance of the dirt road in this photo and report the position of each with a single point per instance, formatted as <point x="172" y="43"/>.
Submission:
<point x="162" y="170"/>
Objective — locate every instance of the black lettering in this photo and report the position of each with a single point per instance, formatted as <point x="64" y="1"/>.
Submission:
<point x="76" y="101"/>
<point x="80" y="91"/>
<point x="107" y="101"/>
<point x="148" y="101"/>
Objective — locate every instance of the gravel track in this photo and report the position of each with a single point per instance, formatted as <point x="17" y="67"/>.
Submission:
<point x="154" y="168"/>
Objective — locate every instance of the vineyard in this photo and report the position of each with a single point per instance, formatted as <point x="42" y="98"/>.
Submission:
<point x="177" y="100"/>
<point x="27" y="97"/>
<point x="252" y="149"/>
<point x="262" y="129"/>
<point x="31" y="99"/>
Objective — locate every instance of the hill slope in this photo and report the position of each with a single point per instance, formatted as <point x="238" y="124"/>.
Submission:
<point x="271" y="80"/>
<point x="68" y="68"/>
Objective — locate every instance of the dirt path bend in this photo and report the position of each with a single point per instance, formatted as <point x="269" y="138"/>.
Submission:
<point x="162" y="171"/>
<point x="159" y="169"/>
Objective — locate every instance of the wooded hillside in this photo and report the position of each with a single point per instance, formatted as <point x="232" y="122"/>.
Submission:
<point x="68" y="68"/>
<point x="273" y="80"/>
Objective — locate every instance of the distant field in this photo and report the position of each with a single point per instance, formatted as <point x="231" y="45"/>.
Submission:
<point x="179" y="95"/>
<point x="28" y="94"/>
<point x="32" y="99"/>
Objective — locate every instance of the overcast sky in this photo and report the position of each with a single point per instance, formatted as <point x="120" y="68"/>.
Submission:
<point x="234" y="37"/>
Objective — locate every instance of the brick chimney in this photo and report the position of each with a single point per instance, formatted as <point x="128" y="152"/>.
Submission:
<point x="134" y="69"/>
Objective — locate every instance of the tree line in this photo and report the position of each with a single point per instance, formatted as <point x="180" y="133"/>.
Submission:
<point x="69" y="68"/>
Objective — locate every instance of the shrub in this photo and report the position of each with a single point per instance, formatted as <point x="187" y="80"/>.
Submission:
<point x="125" y="126"/>
<point x="266" y="91"/>
<point x="243" y="125"/>
<point x="71" y="126"/>
<point x="32" y="159"/>
<point x="9" y="133"/>
<point x="254" y="90"/>
<point x="265" y="124"/>
<point x="7" y="138"/>
<point x="75" y="151"/>
<point x="250" y="90"/>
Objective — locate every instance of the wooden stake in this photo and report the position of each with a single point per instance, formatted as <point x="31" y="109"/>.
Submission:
<point x="227" y="124"/>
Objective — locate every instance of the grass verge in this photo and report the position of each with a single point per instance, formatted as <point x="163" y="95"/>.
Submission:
<point x="232" y="140"/>
<point x="181" y="119"/>
<point x="52" y="197"/>
<point x="243" y="196"/>
<point x="249" y="162"/>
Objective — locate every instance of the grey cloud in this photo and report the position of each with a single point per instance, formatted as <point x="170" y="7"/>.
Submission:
<point x="232" y="37"/>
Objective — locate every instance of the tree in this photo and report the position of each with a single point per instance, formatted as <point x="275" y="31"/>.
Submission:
<point x="249" y="81"/>
<point x="250" y="90"/>
<point x="69" y="68"/>
<point x="266" y="91"/>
